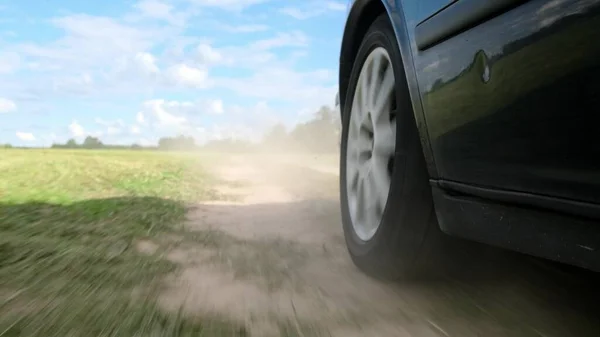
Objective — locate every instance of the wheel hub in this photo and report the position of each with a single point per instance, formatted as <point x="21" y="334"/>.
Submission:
<point x="371" y="144"/>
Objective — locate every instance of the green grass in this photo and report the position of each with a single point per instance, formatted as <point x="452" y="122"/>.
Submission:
<point x="67" y="222"/>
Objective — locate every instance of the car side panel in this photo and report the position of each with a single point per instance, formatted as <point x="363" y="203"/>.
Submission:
<point x="512" y="103"/>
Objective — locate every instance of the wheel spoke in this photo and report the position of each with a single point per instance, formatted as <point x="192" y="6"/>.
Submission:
<point x="364" y="145"/>
<point x="385" y="139"/>
<point x="374" y="80"/>
<point x="356" y="115"/>
<point x="381" y="180"/>
<point x="366" y="123"/>
<point x="364" y="92"/>
<point x="370" y="204"/>
<point x="384" y="94"/>
<point x="352" y="172"/>
<point x="360" y="192"/>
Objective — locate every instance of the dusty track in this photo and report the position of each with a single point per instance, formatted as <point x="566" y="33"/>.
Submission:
<point x="276" y="260"/>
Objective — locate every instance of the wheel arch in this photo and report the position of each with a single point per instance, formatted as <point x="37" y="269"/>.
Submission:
<point x="362" y="14"/>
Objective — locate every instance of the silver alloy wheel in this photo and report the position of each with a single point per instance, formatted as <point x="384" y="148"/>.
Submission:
<point x="371" y="143"/>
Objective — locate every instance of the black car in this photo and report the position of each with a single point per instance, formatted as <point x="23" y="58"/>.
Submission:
<point x="474" y="118"/>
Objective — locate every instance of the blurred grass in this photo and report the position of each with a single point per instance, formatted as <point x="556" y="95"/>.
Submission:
<point x="64" y="176"/>
<point x="68" y="219"/>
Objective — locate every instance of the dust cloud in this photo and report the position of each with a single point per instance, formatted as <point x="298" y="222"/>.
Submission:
<point x="275" y="260"/>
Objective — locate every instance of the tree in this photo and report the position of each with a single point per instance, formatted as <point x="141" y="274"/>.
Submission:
<point x="320" y="133"/>
<point x="92" y="143"/>
<point x="325" y="115"/>
<point x="71" y="144"/>
<point x="180" y="142"/>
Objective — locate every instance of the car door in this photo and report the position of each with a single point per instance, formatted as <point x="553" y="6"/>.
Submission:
<point x="509" y="91"/>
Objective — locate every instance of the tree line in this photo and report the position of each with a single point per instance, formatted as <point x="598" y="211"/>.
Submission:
<point x="93" y="143"/>
<point x="319" y="134"/>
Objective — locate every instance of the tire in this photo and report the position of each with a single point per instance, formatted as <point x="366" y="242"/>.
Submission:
<point x="408" y="227"/>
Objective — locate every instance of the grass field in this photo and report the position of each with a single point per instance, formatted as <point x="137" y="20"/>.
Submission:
<point x="69" y="220"/>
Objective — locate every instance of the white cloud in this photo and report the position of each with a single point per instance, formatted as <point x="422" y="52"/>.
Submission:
<point x="7" y="105"/>
<point x="336" y="6"/>
<point x="86" y="78"/>
<point x="293" y="39"/>
<point x="80" y="84"/>
<point x="208" y="55"/>
<point x="9" y="62"/>
<point x="283" y="84"/>
<point x="76" y="129"/>
<point x="96" y="134"/>
<point x="111" y="50"/>
<point x="256" y="54"/>
<point x="113" y="130"/>
<point x="147" y="61"/>
<point x="244" y="56"/>
<point x="216" y="106"/>
<point x="154" y="9"/>
<point x="140" y="118"/>
<point x="160" y="10"/>
<point x="26" y="136"/>
<point x="313" y="9"/>
<point x="228" y="4"/>
<point x="165" y="112"/>
<point x="106" y="123"/>
<point x="102" y="36"/>
<point x="146" y="53"/>
<point x="112" y="127"/>
<point x="176" y="113"/>
<point x="189" y="76"/>
<point x="115" y="55"/>
<point x="297" y="13"/>
<point x="257" y="116"/>
<point x="322" y="75"/>
<point x="249" y="28"/>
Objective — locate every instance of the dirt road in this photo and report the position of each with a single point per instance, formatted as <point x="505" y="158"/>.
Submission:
<point x="276" y="261"/>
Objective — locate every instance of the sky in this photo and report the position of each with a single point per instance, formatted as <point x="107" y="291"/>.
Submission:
<point x="132" y="71"/>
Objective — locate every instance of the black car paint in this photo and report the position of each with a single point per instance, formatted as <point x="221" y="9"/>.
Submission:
<point x="506" y="108"/>
<point x="457" y="17"/>
<point x="510" y="103"/>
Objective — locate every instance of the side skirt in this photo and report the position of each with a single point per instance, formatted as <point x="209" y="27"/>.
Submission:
<point x="566" y="231"/>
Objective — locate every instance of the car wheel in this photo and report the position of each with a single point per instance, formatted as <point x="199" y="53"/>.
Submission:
<point x="386" y="203"/>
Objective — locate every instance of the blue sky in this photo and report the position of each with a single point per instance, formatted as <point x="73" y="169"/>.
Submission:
<point x="135" y="70"/>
